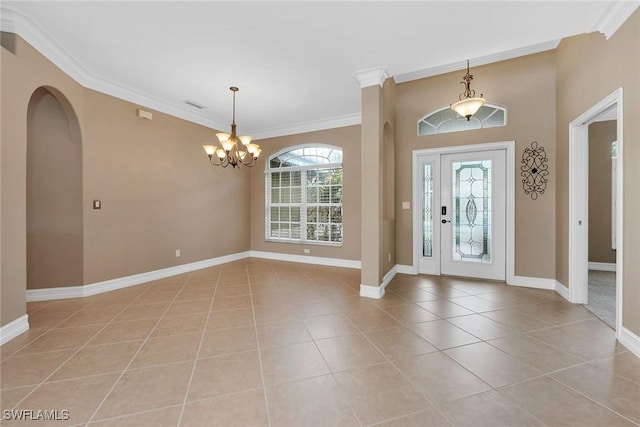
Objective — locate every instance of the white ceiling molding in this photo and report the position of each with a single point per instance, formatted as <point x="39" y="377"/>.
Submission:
<point x="475" y="62"/>
<point x="372" y="76"/>
<point x="614" y="16"/>
<point x="56" y="46"/>
<point x="331" y="123"/>
<point x="12" y="21"/>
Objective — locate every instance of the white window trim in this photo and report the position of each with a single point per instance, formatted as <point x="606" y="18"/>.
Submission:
<point x="303" y="204"/>
<point x="496" y="106"/>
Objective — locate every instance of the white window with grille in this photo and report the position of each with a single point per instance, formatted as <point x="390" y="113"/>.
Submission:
<point x="303" y="195"/>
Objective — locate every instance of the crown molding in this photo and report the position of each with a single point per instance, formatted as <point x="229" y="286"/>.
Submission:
<point x="315" y="125"/>
<point x="371" y="76"/>
<point x="615" y="15"/>
<point x="136" y="97"/>
<point x="14" y="21"/>
<point x="481" y="60"/>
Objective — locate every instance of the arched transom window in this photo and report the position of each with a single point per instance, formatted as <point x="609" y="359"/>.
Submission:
<point x="446" y="120"/>
<point x="304" y="195"/>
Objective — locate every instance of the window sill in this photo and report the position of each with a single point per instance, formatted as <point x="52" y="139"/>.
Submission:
<point x="306" y="243"/>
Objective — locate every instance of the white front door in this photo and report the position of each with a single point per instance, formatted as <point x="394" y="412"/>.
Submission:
<point x="463" y="209"/>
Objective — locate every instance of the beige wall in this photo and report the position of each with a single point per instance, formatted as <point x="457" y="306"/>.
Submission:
<point x="589" y="68"/>
<point x="22" y="73"/>
<point x="348" y="138"/>
<point x="388" y="253"/>
<point x="159" y="192"/>
<point x="526" y="86"/>
<point x="601" y="135"/>
<point x="54" y="195"/>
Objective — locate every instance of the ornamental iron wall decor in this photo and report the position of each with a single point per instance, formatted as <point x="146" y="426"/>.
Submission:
<point x="534" y="170"/>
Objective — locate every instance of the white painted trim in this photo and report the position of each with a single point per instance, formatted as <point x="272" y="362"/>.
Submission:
<point x="13" y="329"/>
<point x="304" y="259"/>
<point x="579" y="202"/>
<point x="136" y="279"/>
<point x="477" y="61"/>
<point x="630" y="340"/>
<point x="533" y="282"/>
<point x="124" y="282"/>
<point x="405" y="269"/>
<point x="602" y="266"/>
<point x="510" y="177"/>
<point x="563" y="291"/>
<point x="14" y="21"/>
<point x="311" y="126"/>
<point x="389" y="277"/>
<point x="615" y="15"/>
<point x="371" y="76"/>
<point x="65" y="292"/>
<point x="375" y="292"/>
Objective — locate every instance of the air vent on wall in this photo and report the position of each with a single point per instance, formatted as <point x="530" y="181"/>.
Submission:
<point x="195" y="104"/>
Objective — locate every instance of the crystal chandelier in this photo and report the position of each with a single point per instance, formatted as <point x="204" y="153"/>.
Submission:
<point x="231" y="152"/>
<point x="468" y="104"/>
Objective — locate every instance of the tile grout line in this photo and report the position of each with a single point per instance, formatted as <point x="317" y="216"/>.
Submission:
<point x="259" y="350"/>
<point x="197" y="356"/>
<point x="406" y="378"/>
<point x="593" y="400"/>
<point x="437" y="405"/>
<point x="14" y="354"/>
<point x="137" y="352"/>
<point x="331" y="373"/>
<point x="72" y="354"/>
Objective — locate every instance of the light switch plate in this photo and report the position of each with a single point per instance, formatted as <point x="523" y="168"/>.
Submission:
<point x="406" y="205"/>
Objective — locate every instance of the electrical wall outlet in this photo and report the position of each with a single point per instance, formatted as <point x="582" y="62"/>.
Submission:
<point x="307" y="250"/>
<point x="389" y="257"/>
<point x="177" y="253"/>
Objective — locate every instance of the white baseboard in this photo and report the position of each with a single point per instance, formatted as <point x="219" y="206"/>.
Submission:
<point x="305" y="259"/>
<point x="630" y="340"/>
<point x="124" y="282"/>
<point x="389" y="276"/>
<point x="405" y="269"/>
<point x="533" y="282"/>
<point x="13" y="329"/>
<point x="602" y="266"/>
<point x="377" y="292"/>
<point x="563" y="291"/>
<point x="136" y="279"/>
<point x="367" y="291"/>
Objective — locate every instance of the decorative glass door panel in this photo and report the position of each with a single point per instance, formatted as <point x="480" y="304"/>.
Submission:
<point x="427" y="210"/>
<point x="471" y="211"/>
<point x="428" y="192"/>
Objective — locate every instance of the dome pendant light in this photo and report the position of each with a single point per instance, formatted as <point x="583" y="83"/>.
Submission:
<point x="468" y="104"/>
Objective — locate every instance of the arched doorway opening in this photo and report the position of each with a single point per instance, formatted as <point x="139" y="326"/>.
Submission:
<point x="54" y="192"/>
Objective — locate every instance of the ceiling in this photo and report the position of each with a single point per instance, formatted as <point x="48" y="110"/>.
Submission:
<point x="293" y="61"/>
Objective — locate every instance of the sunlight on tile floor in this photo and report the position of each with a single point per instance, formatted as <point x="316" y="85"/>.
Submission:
<point x="259" y="342"/>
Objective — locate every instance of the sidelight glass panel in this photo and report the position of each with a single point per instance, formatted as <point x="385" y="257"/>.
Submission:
<point x="472" y="211"/>
<point x="427" y="210"/>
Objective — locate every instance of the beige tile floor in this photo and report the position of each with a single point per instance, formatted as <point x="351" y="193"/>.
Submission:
<point x="259" y="342"/>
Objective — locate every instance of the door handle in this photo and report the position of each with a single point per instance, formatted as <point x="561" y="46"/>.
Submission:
<point x="444" y="221"/>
